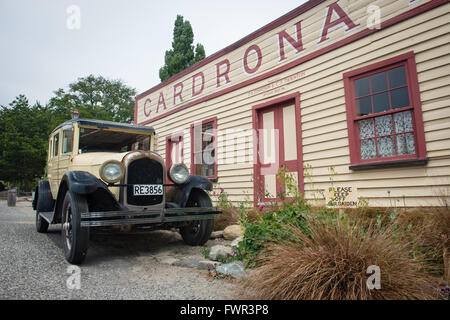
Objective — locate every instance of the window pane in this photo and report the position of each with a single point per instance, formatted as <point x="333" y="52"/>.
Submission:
<point x="379" y="82"/>
<point x="386" y="147"/>
<point x="198" y="169"/>
<point x="406" y="144"/>
<point x="380" y="102"/>
<point x="366" y="129"/>
<point x="384" y="125"/>
<point x="364" y="106"/>
<point x="362" y="87"/>
<point x="67" y="141"/>
<point x="397" y="77"/>
<point x="368" y="149"/>
<point x="399" y="98"/>
<point x="403" y="122"/>
<point x="55" y="145"/>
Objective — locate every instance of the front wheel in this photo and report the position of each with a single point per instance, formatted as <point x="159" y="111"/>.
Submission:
<point x="197" y="233"/>
<point x="75" y="238"/>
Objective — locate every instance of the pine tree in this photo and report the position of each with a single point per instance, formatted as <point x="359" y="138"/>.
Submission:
<point x="183" y="53"/>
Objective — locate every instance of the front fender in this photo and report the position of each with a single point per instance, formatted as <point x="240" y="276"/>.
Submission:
<point x="179" y="194"/>
<point x="83" y="183"/>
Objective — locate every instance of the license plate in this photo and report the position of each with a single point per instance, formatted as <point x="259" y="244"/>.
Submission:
<point x="148" y="190"/>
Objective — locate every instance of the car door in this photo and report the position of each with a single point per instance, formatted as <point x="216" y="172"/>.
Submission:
<point x="66" y="153"/>
<point x="52" y="166"/>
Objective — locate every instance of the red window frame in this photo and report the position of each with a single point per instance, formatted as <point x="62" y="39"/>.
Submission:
<point x="408" y="61"/>
<point x="212" y="121"/>
<point x="178" y="138"/>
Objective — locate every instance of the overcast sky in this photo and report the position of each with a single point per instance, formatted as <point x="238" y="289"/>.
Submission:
<point x="42" y="48"/>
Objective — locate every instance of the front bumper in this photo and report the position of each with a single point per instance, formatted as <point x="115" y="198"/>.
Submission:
<point x="150" y="216"/>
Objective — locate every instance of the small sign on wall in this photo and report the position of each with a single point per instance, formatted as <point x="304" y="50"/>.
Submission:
<point x="341" y="197"/>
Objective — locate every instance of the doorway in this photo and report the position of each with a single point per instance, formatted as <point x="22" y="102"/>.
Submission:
<point x="278" y="145"/>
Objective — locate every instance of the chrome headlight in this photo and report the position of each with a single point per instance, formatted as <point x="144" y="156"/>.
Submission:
<point x="112" y="171"/>
<point x="178" y="173"/>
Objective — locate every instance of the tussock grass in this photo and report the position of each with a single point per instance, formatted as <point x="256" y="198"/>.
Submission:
<point x="331" y="263"/>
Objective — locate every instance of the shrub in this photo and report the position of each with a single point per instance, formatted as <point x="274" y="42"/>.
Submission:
<point x="330" y="261"/>
<point x="272" y="227"/>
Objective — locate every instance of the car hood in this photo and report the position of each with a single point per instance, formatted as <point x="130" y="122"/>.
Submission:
<point x="96" y="158"/>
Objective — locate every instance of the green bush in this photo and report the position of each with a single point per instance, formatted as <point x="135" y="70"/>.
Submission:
<point x="270" y="228"/>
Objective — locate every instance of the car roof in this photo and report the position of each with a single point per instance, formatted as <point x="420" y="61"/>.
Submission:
<point x="106" y="124"/>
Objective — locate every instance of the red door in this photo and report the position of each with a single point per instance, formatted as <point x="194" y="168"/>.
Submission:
<point x="278" y="146"/>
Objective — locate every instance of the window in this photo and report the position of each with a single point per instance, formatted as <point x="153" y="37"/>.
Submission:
<point x="55" y="144"/>
<point x="384" y="114"/>
<point x="67" y="140"/>
<point x="104" y="140"/>
<point x="204" y="148"/>
<point x="174" y="149"/>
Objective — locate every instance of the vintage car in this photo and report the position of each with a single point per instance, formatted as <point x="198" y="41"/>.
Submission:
<point x="103" y="174"/>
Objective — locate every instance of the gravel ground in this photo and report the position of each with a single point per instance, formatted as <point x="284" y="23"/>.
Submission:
<point x="123" y="266"/>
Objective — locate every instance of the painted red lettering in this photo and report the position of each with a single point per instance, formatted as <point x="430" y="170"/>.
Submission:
<point x="256" y="49"/>
<point x="298" y="45"/>
<point x="331" y="25"/>
<point x="178" y="93"/>
<point x="224" y="74"/>
<point x="202" y="77"/>
<point x="161" y="102"/>
<point x="147" y="104"/>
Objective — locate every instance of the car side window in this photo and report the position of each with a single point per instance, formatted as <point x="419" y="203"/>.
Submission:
<point x="67" y="143"/>
<point x="50" y="150"/>
<point x="55" y="144"/>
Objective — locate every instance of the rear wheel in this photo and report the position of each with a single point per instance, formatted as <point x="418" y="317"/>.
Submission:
<point x="197" y="233"/>
<point x="75" y="238"/>
<point x="41" y="224"/>
<point x="41" y="197"/>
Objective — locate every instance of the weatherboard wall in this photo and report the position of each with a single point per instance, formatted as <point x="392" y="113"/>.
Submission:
<point x="316" y="73"/>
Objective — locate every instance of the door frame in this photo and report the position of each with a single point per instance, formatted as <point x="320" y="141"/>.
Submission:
<point x="294" y="97"/>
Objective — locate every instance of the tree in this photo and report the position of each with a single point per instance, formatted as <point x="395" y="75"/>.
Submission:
<point x="25" y="128"/>
<point x="96" y="98"/>
<point x="24" y="131"/>
<point x="182" y="54"/>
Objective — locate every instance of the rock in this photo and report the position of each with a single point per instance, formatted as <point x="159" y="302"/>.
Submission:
<point x="221" y="251"/>
<point x="235" y="269"/>
<point x="208" y="265"/>
<point x="232" y="232"/>
<point x="235" y="243"/>
<point x="167" y="260"/>
<point x="217" y="235"/>
<point x="187" y="263"/>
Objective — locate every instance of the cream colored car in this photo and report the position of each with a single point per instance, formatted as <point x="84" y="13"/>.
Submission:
<point x="105" y="174"/>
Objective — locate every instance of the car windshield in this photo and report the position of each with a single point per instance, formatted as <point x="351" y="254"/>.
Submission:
<point x="104" y="140"/>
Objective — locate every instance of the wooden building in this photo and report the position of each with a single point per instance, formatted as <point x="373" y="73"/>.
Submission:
<point x="348" y="95"/>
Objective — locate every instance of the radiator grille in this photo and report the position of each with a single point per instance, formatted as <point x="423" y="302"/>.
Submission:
<point x="143" y="172"/>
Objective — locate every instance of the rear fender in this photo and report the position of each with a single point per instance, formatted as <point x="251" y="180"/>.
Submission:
<point x="43" y="200"/>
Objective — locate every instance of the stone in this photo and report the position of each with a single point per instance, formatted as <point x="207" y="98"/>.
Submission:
<point x="187" y="263"/>
<point x="220" y="250"/>
<point x="208" y="265"/>
<point x="217" y="235"/>
<point x="167" y="260"/>
<point x="234" y="269"/>
<point x="235" y="243"/>
<point x="232" y="232"/>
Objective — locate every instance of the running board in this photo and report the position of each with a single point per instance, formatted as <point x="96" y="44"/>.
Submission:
<point x="150" y="216"/>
